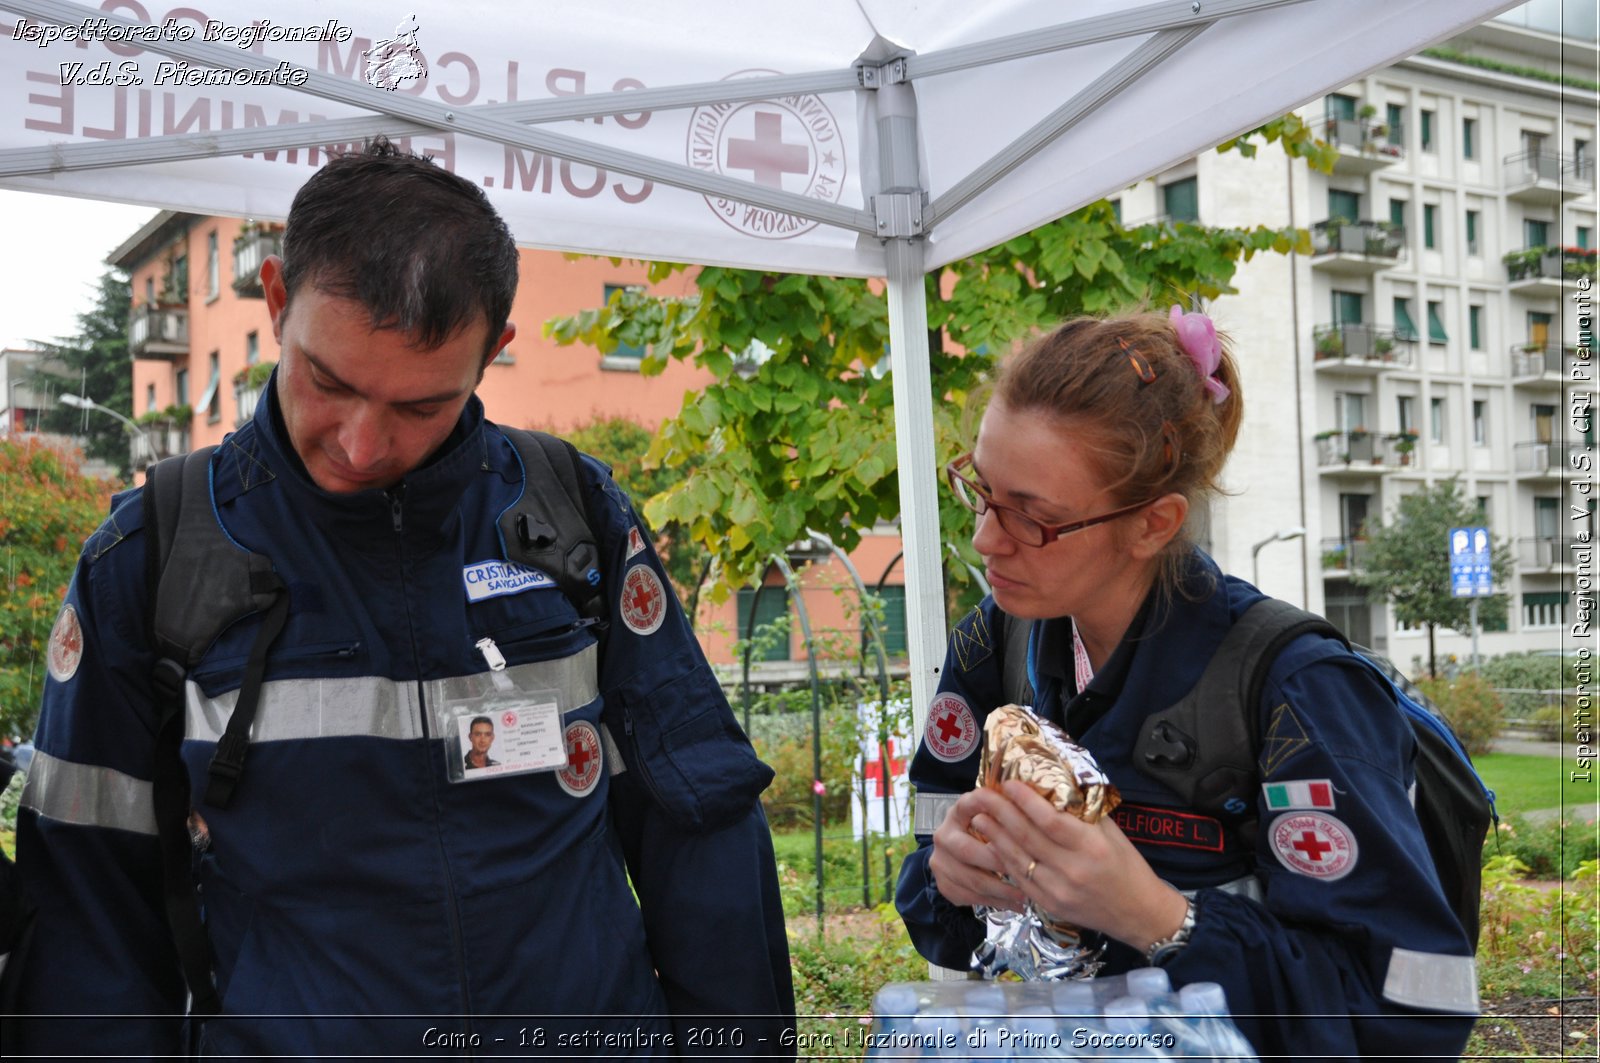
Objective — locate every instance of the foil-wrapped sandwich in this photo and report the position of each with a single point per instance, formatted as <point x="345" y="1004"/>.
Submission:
<point x="1018" y="745"/>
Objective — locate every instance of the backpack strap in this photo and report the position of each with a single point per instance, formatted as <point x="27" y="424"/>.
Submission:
<point x="1205" y="747"/>
<point x="549" y="529"/>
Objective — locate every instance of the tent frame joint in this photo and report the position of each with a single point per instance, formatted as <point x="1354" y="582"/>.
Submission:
<point x="875" y="75"/>
<point x="899" y="214"/>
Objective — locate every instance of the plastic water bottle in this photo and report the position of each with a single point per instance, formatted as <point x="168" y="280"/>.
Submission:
<point x="1207" y="1005"/>
<point x="1147" y="983"/>
<point x="1128" y="1022"/>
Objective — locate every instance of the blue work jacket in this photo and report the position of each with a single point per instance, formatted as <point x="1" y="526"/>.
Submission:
<point x="358" y="898"/>
<point x="1327" y="926"/>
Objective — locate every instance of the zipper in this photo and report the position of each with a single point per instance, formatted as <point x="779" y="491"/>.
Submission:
<point x="452" y="908"/>
<point x="639" y="763"/>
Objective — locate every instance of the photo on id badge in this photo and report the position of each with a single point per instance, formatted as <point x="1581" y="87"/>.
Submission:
<point x="508" y="739"/>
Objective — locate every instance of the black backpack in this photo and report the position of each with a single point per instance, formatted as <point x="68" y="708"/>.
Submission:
<point x="201" y="583"/>
<point x="1210" y="758"/>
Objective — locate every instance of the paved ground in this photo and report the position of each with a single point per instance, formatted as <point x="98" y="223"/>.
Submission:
<point x="1527" y="746"/>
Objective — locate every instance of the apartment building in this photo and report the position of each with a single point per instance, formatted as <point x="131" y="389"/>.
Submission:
<point x="1433" y="331"/>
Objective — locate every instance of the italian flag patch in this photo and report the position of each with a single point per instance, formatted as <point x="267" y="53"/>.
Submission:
<point x="1305" y="793"/>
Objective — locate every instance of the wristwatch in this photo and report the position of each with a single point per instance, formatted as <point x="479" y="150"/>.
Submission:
<point x="1162" y="951"/>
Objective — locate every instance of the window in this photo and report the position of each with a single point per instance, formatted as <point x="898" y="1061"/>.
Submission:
<point x="1539" y="327"/>
<point x="1482" y="502"/>
<point x="1544" y="422"/>
<point x="1347" y="309"/>
<point x="1351" y="410"/>
<point x="1475" y="327"/>
<point x="773" y="604"/>
<point x="1436" y="425"/>
<point x="627" y="354"/>
<point x="150" y="291"/>
<point x="1181" y="199"/>
<point x="180" y="279"/>
<point x="1480" y="423"/>
<point x="1582" y="163"/>
<point x="1472" y="232"/>
<point x="1404" y="328"/>
<point x="1340" y="106"/>
<point x="1405" y="409"/>
<point x="211" y="401"/>
<point x="252" y="349"/>
<point x="149" y="398"/>
<point x="1430" y="214"/>
<point x="1436" y="333"/>
<point x="1353" y="516"/>
<point x="1544" y="608"/>
<point x="213" y="267"/>
<point x="1343" y="206"/>
<point x="1395" y="116"/>
<point x="1397" y="213"/>
<point x="1582" y="235"/>
<point x="1116" y="209"/>
<point x="1535" y="233"/>
<point x="180" y="388"/>
<point x="1532" y="143"/>
<point x="1427" y="130"/>
<point x="895" y="643"/>
<point x="1546" y="517"/>
<point x="1469" y="138"/>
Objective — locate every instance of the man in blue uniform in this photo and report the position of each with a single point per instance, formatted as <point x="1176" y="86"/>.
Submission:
<point x="359" y="876"/>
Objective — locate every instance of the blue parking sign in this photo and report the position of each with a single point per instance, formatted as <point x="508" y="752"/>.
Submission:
<point x="1470" y="574"/>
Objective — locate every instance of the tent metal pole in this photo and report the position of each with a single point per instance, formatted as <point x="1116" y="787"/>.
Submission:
<point x="1069" y="114"/>
<point x="898" y="203"/>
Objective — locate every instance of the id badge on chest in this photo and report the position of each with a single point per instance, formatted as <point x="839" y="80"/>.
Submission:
<point x="504" y="730"/>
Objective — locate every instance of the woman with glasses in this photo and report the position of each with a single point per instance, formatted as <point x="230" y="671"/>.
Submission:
<point x="1314" y="903"/>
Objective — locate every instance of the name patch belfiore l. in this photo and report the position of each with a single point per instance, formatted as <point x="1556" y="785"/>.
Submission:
<point x="491" y="579"/>
<point x="1145" y="825"/>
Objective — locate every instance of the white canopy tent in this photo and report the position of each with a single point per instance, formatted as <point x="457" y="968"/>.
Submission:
<point x="880" y="138"/>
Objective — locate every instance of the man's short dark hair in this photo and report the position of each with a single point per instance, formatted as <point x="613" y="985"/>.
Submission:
<point x="476" y="720"/>
<point x="422" y="249"/>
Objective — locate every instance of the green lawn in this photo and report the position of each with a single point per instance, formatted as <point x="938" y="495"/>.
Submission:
<point x="1523" y="783"/>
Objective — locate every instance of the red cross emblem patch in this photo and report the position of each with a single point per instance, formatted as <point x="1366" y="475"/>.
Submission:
<point x="644" y="600"/>
<point x="1314" y="844"/>
<point x="584" y="759"/>
<point x="952" y="728"/>
<point x="66" y="645"/>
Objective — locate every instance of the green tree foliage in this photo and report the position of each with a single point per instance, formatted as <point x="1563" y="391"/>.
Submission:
<point x="95" y="363"/>
<point x="47" y="509"/>
<point x="622" y="444"/>
<point x="796" y="430"/>
<point x="1408" y="561"/>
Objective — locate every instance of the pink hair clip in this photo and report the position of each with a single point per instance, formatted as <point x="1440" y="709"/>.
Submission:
<point x="1197" y="335"/>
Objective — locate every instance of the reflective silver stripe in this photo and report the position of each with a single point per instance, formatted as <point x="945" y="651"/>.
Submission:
<point x="614" y="762"/>
<point x="382" y="708"/>
<point x="929" y="811"/>
<point x="1433" y="981"/>
<point x="88" y="795"/>
<point x="1247" y="886"/>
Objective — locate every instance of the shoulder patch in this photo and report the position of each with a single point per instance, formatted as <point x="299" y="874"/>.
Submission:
<point x="971" y="641"/>
<point x="643" y="604"/>
<point x="584" y="759"/>
<point x="66" y="645"/>
<point x="1285" y="738"/>
<point x="1314" y="844"/>
<point x="952" y="732"/>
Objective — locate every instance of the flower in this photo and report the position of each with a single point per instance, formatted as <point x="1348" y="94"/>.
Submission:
<point x="818" y="787"/>
<point x="1197" y="335"/>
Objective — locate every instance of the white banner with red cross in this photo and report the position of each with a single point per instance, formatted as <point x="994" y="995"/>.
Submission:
<point x="872" y="780"/>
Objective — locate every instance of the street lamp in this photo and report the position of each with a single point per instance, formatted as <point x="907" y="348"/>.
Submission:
<point x="82" y="403"/>
<point x="1281" y="536"/>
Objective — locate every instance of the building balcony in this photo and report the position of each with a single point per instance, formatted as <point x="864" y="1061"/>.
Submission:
<point x="1342" y="556"/>
<point x="244" y="400"/>
<point x="1548" y="270"/>
<point x="1359" y="349"/>
<point x="1540" y="554"/>
<point x="158" y="332"/>
<point x="1547" y="364"/>
<point x="1364" y="453"/>
<point x="1364" y="145"/>
<point x="1545" y="178"/>
<point x="250" y="249"/>
<point x="1540" y="460"/>
<point x="1361" y="248"/>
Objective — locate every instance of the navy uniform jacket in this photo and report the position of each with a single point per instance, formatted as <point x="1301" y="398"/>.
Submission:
<point x="349" y="879"/>
<point x="1332" y="938"/>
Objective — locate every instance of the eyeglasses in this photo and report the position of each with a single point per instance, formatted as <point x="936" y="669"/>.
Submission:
<point x="1015" y="523"/>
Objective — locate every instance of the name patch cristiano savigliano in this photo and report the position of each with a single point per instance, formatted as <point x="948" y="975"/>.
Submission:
<point x="491" y="579"/>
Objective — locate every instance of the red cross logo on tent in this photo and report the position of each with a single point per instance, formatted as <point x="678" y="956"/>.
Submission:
<point x="767" y="154"/>
<point x="582" y="770"/>
<point x="952" y="731"/>
<point x="874" y="771"/>
<point x="1314" y="844"/>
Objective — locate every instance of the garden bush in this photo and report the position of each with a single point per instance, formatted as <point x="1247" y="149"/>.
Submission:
<point x="1527" y="674"/>
<point x="1543" y="848"/>
<point x="1471" y="705"/>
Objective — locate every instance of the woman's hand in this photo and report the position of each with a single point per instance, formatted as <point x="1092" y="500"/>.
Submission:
<point x="1089" y="874"/>
<point x="967" y="870"/>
